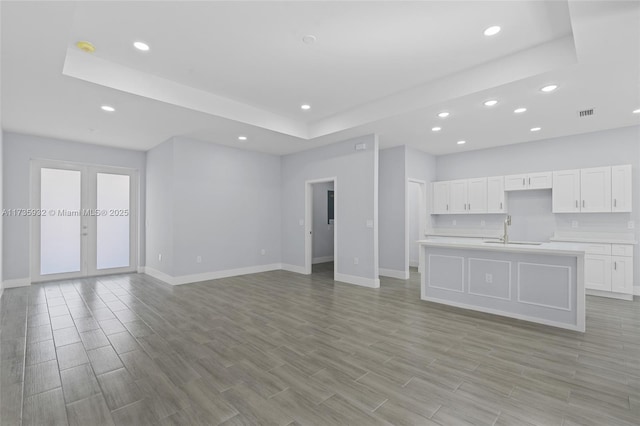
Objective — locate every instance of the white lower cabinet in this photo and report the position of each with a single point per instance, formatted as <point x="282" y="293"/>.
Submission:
<point x="597" y="272"/>
<point x="609" y="269"/>
<point x="622" y="274"/>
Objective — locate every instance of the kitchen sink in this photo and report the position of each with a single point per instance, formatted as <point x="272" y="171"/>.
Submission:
<point x="518" y="243"/>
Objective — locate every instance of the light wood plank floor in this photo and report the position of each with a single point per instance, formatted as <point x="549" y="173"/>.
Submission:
<point x="284" y="349"/>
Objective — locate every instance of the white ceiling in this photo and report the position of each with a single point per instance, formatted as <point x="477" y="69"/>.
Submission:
<point x="217" y="70"/>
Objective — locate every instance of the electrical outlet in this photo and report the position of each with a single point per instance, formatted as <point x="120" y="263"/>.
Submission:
<point x="488" y="278"/>
<point x="454" y="222"/>
<point x="483" y="223"/>
<point x="631" y="224"/>
<point x="159" y="257"/>
<point x="263" y="252"/>
<point x="574" y="223"/>
<point x="301" y="222"/>
<point x="198" y="259"/>
<point x="356" y="261"/>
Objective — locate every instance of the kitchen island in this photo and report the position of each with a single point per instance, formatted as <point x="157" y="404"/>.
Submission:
<point x="537" y="282"/>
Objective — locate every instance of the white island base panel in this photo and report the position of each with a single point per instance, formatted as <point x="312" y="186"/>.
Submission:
<point x="545" y="289"/>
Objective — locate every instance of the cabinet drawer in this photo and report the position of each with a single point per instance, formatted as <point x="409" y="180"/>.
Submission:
<point x="622" y="250"/>
<point x="602" y="249"/>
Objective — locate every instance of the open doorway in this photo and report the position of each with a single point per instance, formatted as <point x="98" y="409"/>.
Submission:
<point x="321" y="216"/>
<point x="417" y="217"/>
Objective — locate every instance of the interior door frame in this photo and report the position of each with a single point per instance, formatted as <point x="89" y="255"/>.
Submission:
<point x="88" y="246"/>
<point x="308" y="221"/>
<point x="422" y="215"/>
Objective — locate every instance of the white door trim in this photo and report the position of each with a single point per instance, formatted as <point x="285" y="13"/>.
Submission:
<point x="422" y="216"/>
<point x="308" y="223"/>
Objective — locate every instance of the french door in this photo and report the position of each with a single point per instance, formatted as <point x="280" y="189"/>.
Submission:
<point x="84" y="220"/>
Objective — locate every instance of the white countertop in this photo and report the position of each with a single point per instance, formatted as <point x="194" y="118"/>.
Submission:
<point x="595" y="237"/>
<point x="559" y="248"/>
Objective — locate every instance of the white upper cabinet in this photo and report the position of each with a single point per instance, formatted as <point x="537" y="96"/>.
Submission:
<point x="541" y="180"/>
<point x="595" y="190"/>
<point x="515" y="182"/>
<point x="496" y="202"/>
<point x="458" y="197"/>
<point x="477" y="195"/>
<point x="621" y="188"/>
<point x="565" y="197"/>
<point x="440" y="197"/>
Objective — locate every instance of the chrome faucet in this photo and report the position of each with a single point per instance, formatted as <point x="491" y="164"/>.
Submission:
<point x="507" y="223"/>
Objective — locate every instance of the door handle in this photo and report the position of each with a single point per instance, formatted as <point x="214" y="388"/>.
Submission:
<point x="500" y="206"/>
<point x="529" y="181"/>
<point x="615" y="266"/>
<point x="614" y="202"/>
<point x="576" y="204"/>
<point x="582" y="203"/>
<point x="523" y="182"/>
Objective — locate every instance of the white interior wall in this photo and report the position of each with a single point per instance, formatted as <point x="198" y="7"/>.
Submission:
<point x="1" y="207"/>
<point x="160" y="206"/>
<point x="227" y="208"/>
<point x="392" y="197"/>
<point x="322" y="230"/>
<point x="356" y="200"/>
<point x="19" y="150"/>
<point x="415" y="199"/>
<point x="531" y="210"/>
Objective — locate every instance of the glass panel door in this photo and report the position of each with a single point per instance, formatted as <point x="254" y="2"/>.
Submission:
<point x="60" y="225"/>
<point x="112" y="217"/>
<point x="86" y="223"/>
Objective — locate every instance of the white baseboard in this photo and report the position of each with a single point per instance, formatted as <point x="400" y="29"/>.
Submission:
<point x="206" y="276"/>
<point x="188" y="279"/>
<point x="609" y="294"/>
<point x="159" y="275"/>
<point x="506" y="314"/>
<point x="17" y="282"/>
<point x="322" y="259"/>
<point x="361" y="281"/>
<point x="293" y="268"/>
<point x="394" y="273"/>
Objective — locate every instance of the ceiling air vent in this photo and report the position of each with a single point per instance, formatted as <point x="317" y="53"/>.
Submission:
<point x="585" y="113"/>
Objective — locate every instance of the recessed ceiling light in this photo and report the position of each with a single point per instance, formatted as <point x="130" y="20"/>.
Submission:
<point x="107" y="108"/>
<point x="461" y="142"/>
<point x="242" y="138"/>
<point x="549" y="88"/>
<point x="443" y="114"/>
<point x="305" y="107"/>
<point x="519" y="110"/>
<point x="141" y="46"/>
<point x="309" y="39"/>
<point x="492" y="31"/>
<point x="436" y="129"/>
<point x="491" y="102"/>
<point x="536" y="129"/>
<point x="637" y="111"/>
